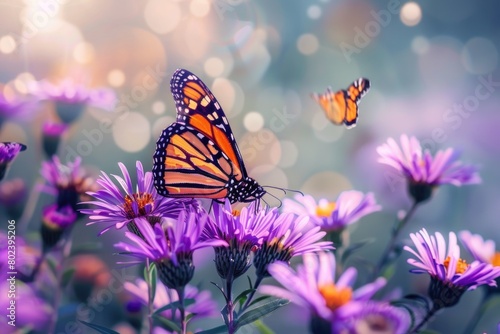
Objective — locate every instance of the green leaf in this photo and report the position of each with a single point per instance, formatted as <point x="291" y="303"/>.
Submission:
<point x="428" y="331"/>
<point x="262" y="328"/>
<point x="216" y="330"/>
<point x="261" y="298"/>
<point x="174" y="305"/>
<point x="250" y="282"/>
<point x="355" y="247"/>
<point x="85" y="248"/>
<point x="150" y="277"/>
<point x="172" y="326"/>
<point x="98" y="328"/>
<point x="260" y="312"/>
<point x="66" y="276"/>
<point x="242" y="296"/>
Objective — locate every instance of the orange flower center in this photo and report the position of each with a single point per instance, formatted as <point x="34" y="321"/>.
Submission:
<point x="325" y="210"/>
<point x="462" y="265"/>
<point x="236" y="213"/>
<point x="495" y="260"/>
<point x="335" y="297"/>
<point x="141" y="199"/>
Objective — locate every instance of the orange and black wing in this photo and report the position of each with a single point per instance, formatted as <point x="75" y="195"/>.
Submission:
<point x="342" y="106"/>
<point x="189" y="164"/>
<point x="333" y="104"/>
<point x="198" y="108"/>
<point x="354" y="93"/>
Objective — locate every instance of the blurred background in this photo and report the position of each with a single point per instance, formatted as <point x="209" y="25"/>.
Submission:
<point x="262" y="60"/>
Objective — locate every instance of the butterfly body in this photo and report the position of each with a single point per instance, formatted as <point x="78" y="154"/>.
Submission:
<point x="341" y="107"/>
<point x="197" y="155"/>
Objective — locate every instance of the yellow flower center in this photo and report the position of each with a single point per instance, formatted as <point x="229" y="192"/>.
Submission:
<point x="335" y="297"/>
<point x="141" y="199"/>
<point x="462" y="265"/>
<point x="495" y="260"/>
<point x="325" y="210"/>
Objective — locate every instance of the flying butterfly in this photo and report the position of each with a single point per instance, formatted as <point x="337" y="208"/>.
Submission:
<point x="342" y="106"/>
<point x="197" y="155"/>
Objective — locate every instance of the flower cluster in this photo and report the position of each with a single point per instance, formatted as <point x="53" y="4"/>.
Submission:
<point x="163" y="234"/>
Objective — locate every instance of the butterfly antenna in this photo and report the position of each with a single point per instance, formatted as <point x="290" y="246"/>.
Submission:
<point x="281" y="203"/>
<point x="285" y="189"/>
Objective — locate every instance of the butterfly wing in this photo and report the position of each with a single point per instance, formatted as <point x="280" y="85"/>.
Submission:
<point x="189" y="164"/>
<point x="198" y="108"/>
<point x="354" y="94"/>
<point x="342" y="106"/>
<point x="333" y="104"/>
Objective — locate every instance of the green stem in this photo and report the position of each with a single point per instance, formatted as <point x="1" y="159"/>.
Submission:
<point x="230" y="305"/>
<point x="150" y="301"/>
<point x="384" y="260"/>
<point x="428" y="316"/>
<point x="250" y="297"/>
<point x="182" y="310"/>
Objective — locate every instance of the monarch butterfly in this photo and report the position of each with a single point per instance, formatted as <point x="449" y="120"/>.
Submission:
<point x="342" y="106"/>
<point x="197" y="155"/>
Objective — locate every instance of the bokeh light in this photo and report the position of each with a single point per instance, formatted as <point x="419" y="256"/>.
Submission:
<point x="162" y="16"/>
<point x="253" y="121"/>
<point x="314" y="12"/>
<point x="158" y="107"/>
<point x="411" y="14"/>
<point x="83" y="53"/>
<point x="307" y="44"/>
<point x="199" y="8"/>
<point x="480" y="56"/>
<point x="116" y="78"/>
<point x="214" y="67"/>
<point x="131" y="132"/>
<point x="7" y="44"/>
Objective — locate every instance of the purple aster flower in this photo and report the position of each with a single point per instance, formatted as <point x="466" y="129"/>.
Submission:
<point x="333" y="216"/>
<point x="120" y="205"/>
<point x="51" y="136"/>
<point x="26" y="257"/>
<point x="8" y="152"/>
<point x="12" y="106"/>
<point x="204" y="306"/>
<point x="242" y="231"/>
<point x="55" y="222"/>
<point x="68" y="182"/>
<point x="422" y="170"/>
<point x="450" y="275"/>
<point x="71" y="97"/>
<point x="482" y="250"/>
<point x="30" y="312"/>
<point x="170" y="244"/>
<point x="333" y="304"/>
<point x="289" y="236"/>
